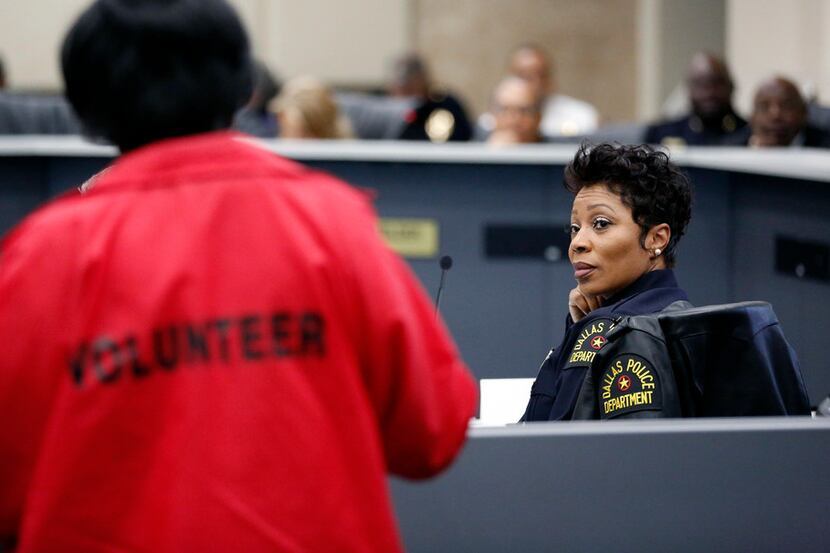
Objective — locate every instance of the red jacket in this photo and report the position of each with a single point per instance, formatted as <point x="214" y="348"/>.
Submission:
<point x="213" y="350"/>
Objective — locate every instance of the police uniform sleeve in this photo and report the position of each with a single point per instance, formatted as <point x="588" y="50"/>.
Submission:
<point x="632" y="376"/>
<point x="420" y="389"/>
<point x="542" y="393"/>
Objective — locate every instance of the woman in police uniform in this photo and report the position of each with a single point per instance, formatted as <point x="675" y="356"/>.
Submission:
<point x="631" y="207"/>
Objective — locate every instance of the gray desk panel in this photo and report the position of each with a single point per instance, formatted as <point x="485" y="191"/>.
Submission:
<point x="505" y="314"/>
<point x="766" y="207"/>
<point x="645" y="487"/>
<point x="704" y="253"/>
<point x="24" y="185"/>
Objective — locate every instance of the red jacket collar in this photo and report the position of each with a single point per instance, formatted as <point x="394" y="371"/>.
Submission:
<point x="186" y="156"/>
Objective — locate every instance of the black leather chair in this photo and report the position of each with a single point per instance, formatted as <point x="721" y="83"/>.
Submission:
<point x="375" y="117"/>
<point x="733" y="360"/>
<point x="714" y="361"/>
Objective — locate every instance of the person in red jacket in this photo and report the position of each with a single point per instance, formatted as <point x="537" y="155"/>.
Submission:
<point x="212" y="349"/>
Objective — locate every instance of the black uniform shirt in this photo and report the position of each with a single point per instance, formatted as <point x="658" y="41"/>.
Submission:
<point x="454" y="126"/>
<point x="555" y="390"/>
<point x="690" y="130"/>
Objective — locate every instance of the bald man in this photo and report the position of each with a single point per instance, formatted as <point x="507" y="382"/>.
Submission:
<point x="517" y="111"/>
<point x="561" y="114"/>
<point x="712" y="118"/>
<point x="779" y="118"/>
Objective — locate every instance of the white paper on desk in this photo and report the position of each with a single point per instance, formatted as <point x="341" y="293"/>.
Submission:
<point x="503" y="400"/>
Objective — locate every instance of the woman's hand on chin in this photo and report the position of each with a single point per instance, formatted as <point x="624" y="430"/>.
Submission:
<point x="580" y="303"/>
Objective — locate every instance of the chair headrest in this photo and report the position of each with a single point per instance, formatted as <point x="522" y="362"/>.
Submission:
<point x="738" y="320"/>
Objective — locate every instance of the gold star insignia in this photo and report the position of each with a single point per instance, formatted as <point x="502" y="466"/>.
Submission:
<point x="624" y="383"/>
<point x="598" y="342"/>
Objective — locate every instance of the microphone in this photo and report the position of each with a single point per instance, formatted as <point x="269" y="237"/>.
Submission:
<point x="446" y="264"/>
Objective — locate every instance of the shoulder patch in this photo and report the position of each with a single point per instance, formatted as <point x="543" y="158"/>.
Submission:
<point x="588" y="343"/>
<point x="629" y="384"/>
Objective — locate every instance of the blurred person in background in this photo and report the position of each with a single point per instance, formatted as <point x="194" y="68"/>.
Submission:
<point x="712" y="118"/>
<point x="438" y="116"/>
<point x="22" y="113"/>
<point x="306" y="108"/>
<point x="561" y="115"/>
<point x="255" y="118"/>
<point x="214" y="349"/>
<point x="517" y="112"/>
<point x="779" y="118"/>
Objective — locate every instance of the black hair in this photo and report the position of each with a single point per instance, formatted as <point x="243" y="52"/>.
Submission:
<point x="266" y="86"/>
<point x="137" y="71"/>
<point x="647" y="182"/>
<point x="408" y="67"/>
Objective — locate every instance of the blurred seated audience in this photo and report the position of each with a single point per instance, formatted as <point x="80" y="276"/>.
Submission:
<point x="818" y="115"/>
<point x="712" y="116"/>
<point x="517" y="110"/>
<point x="255" y="118"/>
<point x="306" y="109"/>
<point x="34" y="113"/>
<point x="376" y="117"/>
<point x="438" y="116"/>
<point x="779" y="118"/>
<point x="561" y="114"/>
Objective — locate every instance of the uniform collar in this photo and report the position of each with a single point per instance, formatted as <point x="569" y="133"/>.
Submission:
<point x="663" y="278"/>
<point x="728" y="123"/>
<point x="650" y="293"/>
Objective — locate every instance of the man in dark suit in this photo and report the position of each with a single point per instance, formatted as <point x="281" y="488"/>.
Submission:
<point x="779" y="118"/>
<point x="438" y="115"/>
<point x="712" y="118"/>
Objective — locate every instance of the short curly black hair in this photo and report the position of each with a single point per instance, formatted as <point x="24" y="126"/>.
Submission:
<point x="137" y="71"/>
<point x="646" y="181"/>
